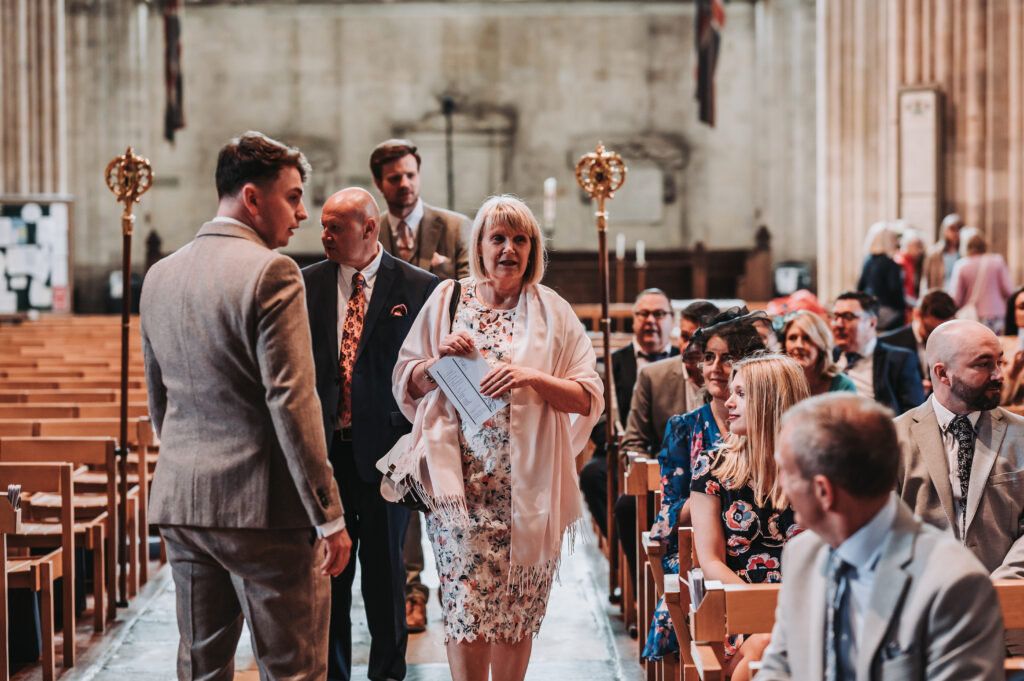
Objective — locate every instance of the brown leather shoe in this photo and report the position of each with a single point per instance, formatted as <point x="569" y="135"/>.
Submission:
<point x="415" y="615"/>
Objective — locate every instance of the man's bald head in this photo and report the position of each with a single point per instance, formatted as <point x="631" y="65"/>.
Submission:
<point x="963" y="359"/>
<point x="351" y="224"/>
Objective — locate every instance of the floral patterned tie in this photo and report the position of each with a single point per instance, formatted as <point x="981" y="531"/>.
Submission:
<point x="404" y="243"/>
<point x="964" y="434"/>
<point x="354" y="313"/>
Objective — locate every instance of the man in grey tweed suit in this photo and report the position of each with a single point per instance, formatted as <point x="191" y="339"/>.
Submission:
<point x="243" y="493"/>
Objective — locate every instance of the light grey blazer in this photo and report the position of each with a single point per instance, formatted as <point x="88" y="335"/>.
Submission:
<point x="658" y="395"/>
<point x="933" y="612"/>
<point x="995" y="497"/>
<point x="229" y="370"/>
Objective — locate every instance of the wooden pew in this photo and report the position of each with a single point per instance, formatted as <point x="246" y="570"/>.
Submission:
<point x="98" y="452"/>
<point x="38" y="573"/>
<point x="1011" y="600"/>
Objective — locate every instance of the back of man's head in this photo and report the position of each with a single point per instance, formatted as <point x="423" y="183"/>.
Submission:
<point x="937" y="304"/>
<point x="849" y="439"/>
<point x="391" y="150"/>
<point x="255" y="158"/>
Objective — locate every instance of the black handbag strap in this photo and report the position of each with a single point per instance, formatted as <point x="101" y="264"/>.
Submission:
<point x="453" y="304"/>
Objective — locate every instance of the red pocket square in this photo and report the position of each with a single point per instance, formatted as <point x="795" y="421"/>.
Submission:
<point x="399" y="310"/>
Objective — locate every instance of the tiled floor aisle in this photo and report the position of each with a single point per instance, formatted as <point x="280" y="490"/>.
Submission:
<point x="582" y="637"/>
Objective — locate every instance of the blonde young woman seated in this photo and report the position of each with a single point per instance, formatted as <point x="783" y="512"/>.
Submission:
<point x="741" y="519"/>
<point x="807" y="339"/>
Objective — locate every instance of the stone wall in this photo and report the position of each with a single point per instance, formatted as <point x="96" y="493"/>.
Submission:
<point x="535" y="84"/>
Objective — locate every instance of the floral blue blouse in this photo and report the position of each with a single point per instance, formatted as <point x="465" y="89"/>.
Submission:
<point x="687" y="436"/>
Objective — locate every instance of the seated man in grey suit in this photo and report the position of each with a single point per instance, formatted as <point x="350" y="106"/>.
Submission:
<point x="962" y="463"/>
<point x="870" y="592"/>
<point x="879" y="370"/>
<point x="934" y="308"/>
<point x="243" y="477"/>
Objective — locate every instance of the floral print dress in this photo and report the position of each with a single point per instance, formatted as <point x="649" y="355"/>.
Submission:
<point x="473" y="561"/>
<point x="687" y="436"/>
<point x="754" y="534"/>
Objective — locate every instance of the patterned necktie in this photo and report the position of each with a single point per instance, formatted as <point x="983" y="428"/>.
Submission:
<point x="834" y="592"/>
<point x="964" y="434"/>
<point x="354" y="313"/>
<point x="404" y="242"/>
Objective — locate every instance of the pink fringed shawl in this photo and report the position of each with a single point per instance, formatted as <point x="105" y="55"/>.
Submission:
<point x="546" y="336"/>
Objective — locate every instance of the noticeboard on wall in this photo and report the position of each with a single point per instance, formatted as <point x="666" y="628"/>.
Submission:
<point x="34" y="262"/>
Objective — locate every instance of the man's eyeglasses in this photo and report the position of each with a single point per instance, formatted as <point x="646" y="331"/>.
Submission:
<point x="724" y="360"/>
<point x="657" y="314"/>
<point x="848" y="317"/>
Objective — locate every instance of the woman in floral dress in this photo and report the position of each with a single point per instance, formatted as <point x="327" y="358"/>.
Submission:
<point x="726" y="338"/>
<point x="503" y="494"/>
<point x="741" y="519"/>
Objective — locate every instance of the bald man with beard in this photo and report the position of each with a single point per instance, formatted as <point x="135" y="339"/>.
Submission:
<point x="361" y="303"/>
<point x="962" y="460"/>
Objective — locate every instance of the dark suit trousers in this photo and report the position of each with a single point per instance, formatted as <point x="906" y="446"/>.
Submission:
<point x="269" y="577"/>
<point x="377" y="529"/>
<point x="594" y="485"/>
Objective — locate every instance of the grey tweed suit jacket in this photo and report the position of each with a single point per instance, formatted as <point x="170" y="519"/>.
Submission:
<point x="995" y="497"/>
<point x="932" y="613"/>
<point x="229" y="370"/>
<point x="441" y="231"/>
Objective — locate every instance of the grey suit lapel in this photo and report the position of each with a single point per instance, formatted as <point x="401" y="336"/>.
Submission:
<point x="381" y="289"/>
<point x="891" y="581"/>
<point x="928" y="441"/>
<point x="429" y="235"/>
<point x="991" y="431"/>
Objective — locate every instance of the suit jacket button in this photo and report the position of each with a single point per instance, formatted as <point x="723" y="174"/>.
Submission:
<point x="322" y="496"/>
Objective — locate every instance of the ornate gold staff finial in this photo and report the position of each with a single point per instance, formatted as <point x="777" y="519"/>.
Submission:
<point x="129" y="177"/>
<point x="600" y="174"/>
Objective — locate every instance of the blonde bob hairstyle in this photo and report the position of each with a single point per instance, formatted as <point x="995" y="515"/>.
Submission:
<point x="774" y="383"/>
<point x="508" y="211"/>
<point x="819" y="334"/>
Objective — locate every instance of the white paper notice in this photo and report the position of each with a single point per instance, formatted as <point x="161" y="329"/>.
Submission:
<point x="8" y="302"/>
<point x="459" y="378"/>
<point x="39" y="294"/>
<point x="22" y="260"/>
<point x="19" y="283"/>
<point x="6" y="231"/>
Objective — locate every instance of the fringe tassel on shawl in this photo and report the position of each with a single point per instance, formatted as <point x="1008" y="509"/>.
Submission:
<point x="451" y="510"/>
<point x="521" y="577"/>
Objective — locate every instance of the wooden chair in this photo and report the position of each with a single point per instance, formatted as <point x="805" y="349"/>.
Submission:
<point x="96" y="518"/>
<point x="727" y="610"/>
<point x="37" y="573"/>
<point x="1011" y="600"/>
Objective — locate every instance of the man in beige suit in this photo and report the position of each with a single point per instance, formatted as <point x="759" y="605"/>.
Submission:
<point x="431" y="238"/>
<point x="962" y="462"/>
<point x="870" y="592"/>
<point x="243" y="487"/>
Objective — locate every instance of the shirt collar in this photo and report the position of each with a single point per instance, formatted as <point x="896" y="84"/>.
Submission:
<point x="413" y="219"/>
<point x="869" y="349"/>
<point x="945" y="416"/>
<point x="667" y="350"/>
<point x="863" y="548"/>
<point x="345" y="272"/>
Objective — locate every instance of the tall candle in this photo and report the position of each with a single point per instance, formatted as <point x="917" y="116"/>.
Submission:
<point x="620" y="246"/>
<point x="550" y="192"/>
<point x="640" y="260"/>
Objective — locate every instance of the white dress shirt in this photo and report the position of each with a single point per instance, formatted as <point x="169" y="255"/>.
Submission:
<point x="861" y="551"/>
<point x="949" y="443"/>
<point x="413" y="219"/>
<point x="641" y="362"/>
<point x="862" y="373"/>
